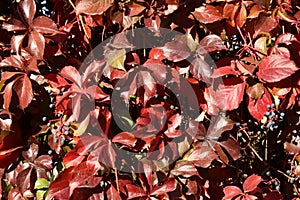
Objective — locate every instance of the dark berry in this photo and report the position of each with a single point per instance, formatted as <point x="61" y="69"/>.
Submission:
<point x="44" y="119"/>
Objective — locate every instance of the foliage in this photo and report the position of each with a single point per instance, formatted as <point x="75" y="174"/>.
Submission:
<point x="61" y="138"/>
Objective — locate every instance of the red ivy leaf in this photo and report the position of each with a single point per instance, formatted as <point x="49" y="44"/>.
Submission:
<point x="211" y="43"/>
<point x="176" y="50"/>
<point x="134" y="191"/>
<point x="242" y="16"/>
<point x="125" y="138"/>
<point x="251" y="183"/>
<point x="184" y="168"/>
<point x="201" y="70"/>
<point x="202" y="156"/>
<point x="14" y="25"/>
<point x="222" y="71"/>
<point x="168" y="186"/>
<point x="231" y="192"/>
<point x="45" y="25"/>
<point x="7" y="95"/>
<point x="264" y="24"/>
<point x="258" y="107"/>
<point x="25" y="180"/>
<point x="92" y="7"/>
<point x="229" y="97"/>
<point x="207" y="14"/>
<point x="275" y="68"/>
<point x="27" y="8"/>
<point x="68" y="180"/>
<point x="36" y="44"/>
<point x="24" y="91"/>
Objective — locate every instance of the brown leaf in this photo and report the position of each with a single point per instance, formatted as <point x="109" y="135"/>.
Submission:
<point x="135" y="8"/>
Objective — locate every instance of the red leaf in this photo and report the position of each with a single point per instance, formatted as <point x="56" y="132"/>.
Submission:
<point x="14" y="25"/>
<point x="275" y="68"/>
<point x="56" y="81"/>
<point x="184" y="168"/>
<point x="7" y="95"/>
<point x="156" y="54"/>
<point x="92" y="7"/>
<point x="211" y="43"/>
<point x="229" y="97"/>
<point x="202" y="156"/>
<point x="125" y="138"/>
<point x="27" y="9"/>
<point x="255" y="11"/>
<point x="222" y="71"/>
<point x="168" y="186"/>
<point x="31" y="153"/>
<point x="134" y="191"/>
<point x="45" y="25"/>
<point x="25" y="180"/>
<point x="218" y="126"/>
<point x="36" y="44"/>
<point x="207" y="14"/>
<point x="241" y="16"/>
<point x="285" y="38"/>
<point x="264" y="24"/>
<point x="232" y="147"/>
<point x="258" y="107"/>
<point x="68" y="180"/>
<point x="201" y="70"/>
<point x="251" y="183"/>
<point x="176" y="50"/>
<point x="44" y="161"/>
<point x="231" y="192"/>
<point x="71" y="73"/>
<point x="24" y="91"/>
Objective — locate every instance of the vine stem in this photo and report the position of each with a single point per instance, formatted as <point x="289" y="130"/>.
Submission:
<point x="81" y="21"/>
<point x="117" y="180"/>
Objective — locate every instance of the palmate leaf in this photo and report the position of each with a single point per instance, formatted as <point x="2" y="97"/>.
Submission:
<point x="209" y="148"/>
<point x="40" y="25"/>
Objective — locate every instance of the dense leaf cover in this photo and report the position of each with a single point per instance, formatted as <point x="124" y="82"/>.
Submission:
<point x="65" y="134"/>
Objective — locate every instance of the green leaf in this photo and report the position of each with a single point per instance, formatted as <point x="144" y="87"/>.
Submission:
<point x="40" y="194"/>
<point x="41" y="183"/>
